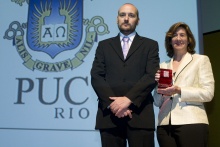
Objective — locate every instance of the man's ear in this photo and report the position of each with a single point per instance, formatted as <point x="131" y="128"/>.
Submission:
<point x="138" y="22"/>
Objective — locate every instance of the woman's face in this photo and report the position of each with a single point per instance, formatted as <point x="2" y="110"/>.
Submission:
<point x="179" y="40"/>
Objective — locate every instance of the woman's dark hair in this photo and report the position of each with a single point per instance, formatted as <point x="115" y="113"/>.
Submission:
<point x="170" y="34"/>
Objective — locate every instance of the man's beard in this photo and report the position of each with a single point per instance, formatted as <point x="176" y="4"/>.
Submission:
<point x="126" y="31"/>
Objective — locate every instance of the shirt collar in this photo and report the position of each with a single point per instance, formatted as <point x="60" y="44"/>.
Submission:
<point x="131" y="36"/>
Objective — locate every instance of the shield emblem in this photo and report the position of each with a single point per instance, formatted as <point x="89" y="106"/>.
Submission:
<point x="54" y="26"/>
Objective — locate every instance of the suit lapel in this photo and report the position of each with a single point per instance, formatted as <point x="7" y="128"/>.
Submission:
<point x="116" y="45"/>
<point x="135" y="44"/>
<point x="185" y="61"/>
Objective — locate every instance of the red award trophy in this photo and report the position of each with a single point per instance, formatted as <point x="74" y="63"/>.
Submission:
<point x="165" y="78"/>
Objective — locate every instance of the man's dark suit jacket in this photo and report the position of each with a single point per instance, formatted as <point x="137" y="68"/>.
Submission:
<point x="134" y="77"/>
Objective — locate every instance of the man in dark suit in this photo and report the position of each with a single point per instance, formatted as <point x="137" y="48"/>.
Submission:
<point x="124" y="84"/>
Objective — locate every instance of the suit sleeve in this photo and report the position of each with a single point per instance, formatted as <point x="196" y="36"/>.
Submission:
<point x="158" y="99"/>
<point x="204" y="92"/>
<point x="98" y="74"/>
<point x="147" y="83"/>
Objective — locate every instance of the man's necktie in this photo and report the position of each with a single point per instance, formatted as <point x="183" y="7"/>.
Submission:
<point x="125" y="47"/>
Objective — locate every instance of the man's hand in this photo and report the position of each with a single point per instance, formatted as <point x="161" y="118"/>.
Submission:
<point x="120" y="105"/>
<point x="124" y="113"/>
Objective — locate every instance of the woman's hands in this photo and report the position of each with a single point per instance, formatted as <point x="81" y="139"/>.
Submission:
<point x="157" y="75"/>
<point x="169" y="90"/>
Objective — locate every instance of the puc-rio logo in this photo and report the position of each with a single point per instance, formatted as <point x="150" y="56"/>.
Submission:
<point x="55" y="26"/>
